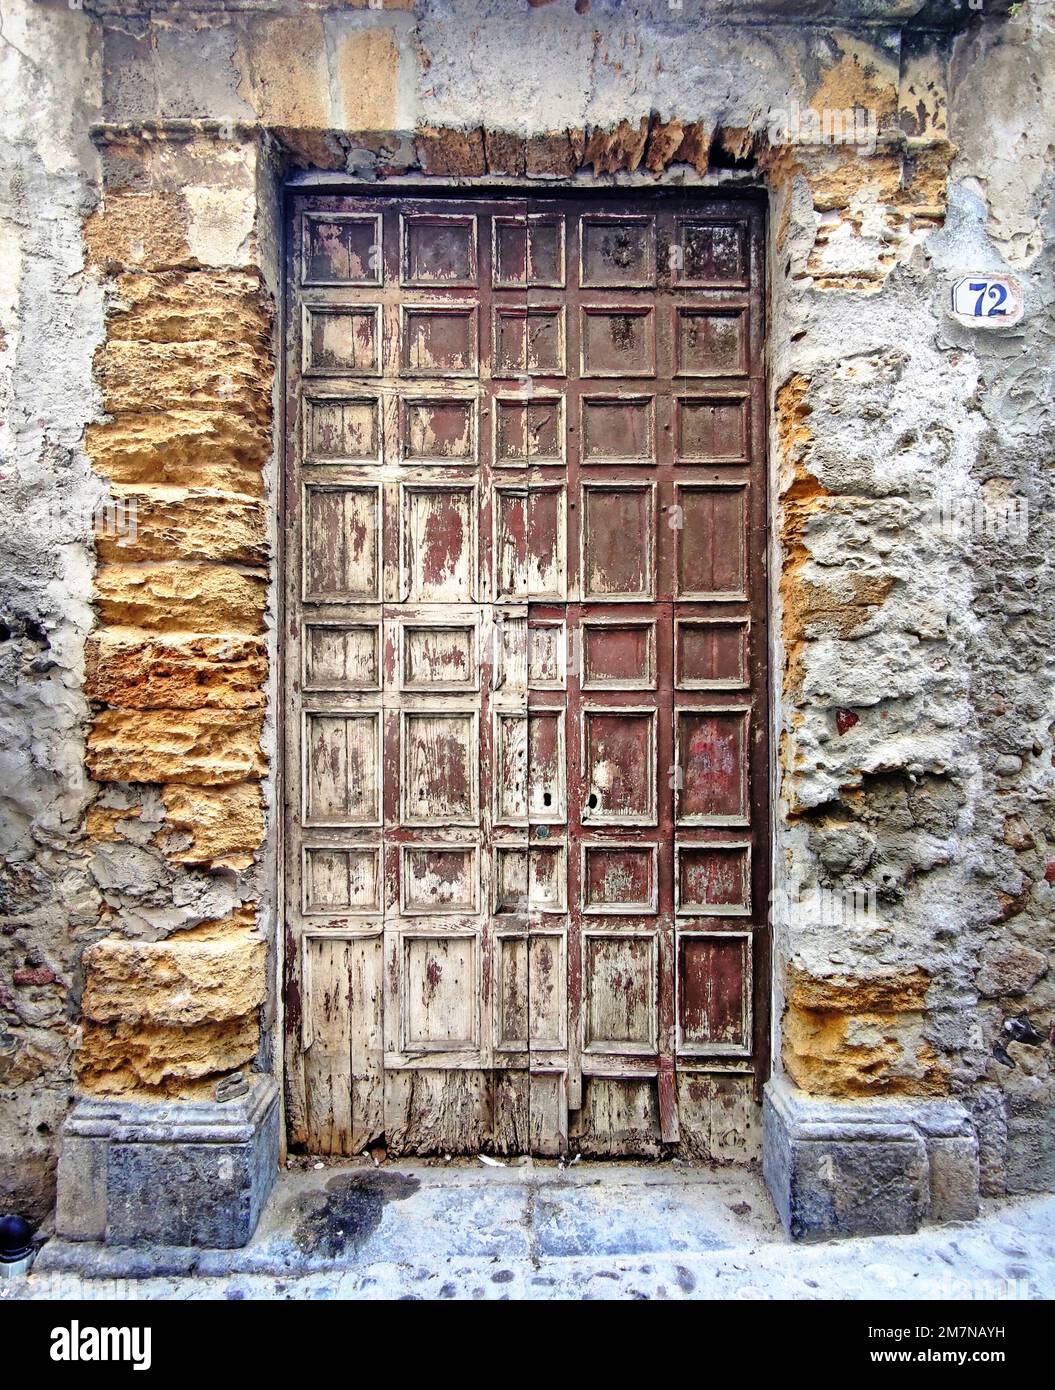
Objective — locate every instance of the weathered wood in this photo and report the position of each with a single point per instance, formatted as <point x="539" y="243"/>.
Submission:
<point x="525" y="631"/>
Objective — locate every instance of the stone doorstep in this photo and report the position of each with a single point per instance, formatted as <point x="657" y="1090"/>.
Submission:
<point x="174" y="1173"/>
<point x="593" y="1212"/>
<point x="870" y="1167"/>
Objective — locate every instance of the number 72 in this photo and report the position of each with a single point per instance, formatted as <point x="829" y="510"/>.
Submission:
<point x="984" y="288"/>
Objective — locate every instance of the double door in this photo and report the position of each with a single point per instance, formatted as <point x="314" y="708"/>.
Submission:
<point x="526" y="765"/>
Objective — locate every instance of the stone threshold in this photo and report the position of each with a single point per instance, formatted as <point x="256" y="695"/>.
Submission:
<point x="348" y="1216"/>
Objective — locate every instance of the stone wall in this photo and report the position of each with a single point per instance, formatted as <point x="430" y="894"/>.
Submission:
<point x="913" y="714"/>
<point x="177" y="666"/>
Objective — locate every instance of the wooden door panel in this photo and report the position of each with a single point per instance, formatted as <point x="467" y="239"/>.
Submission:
<point x="526" y="761"/>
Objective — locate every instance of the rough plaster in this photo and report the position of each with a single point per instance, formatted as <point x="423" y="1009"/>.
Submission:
<point x="51" y="321"/>
<point x="914" y="720"/>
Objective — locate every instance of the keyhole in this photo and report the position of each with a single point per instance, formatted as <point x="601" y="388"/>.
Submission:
<point x="591" y="800"/>
<point x="547" y="799"/>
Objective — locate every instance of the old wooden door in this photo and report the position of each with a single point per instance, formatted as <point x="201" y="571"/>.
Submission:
<point x="526" y="874"/>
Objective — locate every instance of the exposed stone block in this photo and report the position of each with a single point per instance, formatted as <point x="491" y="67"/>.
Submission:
<point x="181" y="596"/>
<point x="694" y="147"/>
<point x="863" y="75"/>
<point x="1009" y="967"/>
<point x="233" y="376"/>
<point x="182" y="448"/>
<point x="284" y="70"/>
<point x="207" y="748"/>
<point x="180" y="306"/>
<point x="185" y="525"/>
<point x="954" y="1178"/>
<point x="1031" y="1139"/>
<point x="505" y="154"/>
<point x="904" y="992"/>
<point x="866" y="1167"/>
<point x="172" y="673"/>
<point x="211" y="974"/>
<point x="610" y="151"/>
<point x="556" y="155"/>
<point x="138" y="231"/>
<point x="226" y="826"/>
<point x="139" y="1059"/>
<point x="664" y="142"/>
<point x="451" y="153"/>
<point x="366" y="80"/>
<point x="859" y="1035"/>
<point x="314" y="149"/>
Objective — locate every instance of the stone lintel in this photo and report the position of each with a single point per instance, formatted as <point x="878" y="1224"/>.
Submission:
<point x="878" y="1166"/>
<point x="948" y="15"/>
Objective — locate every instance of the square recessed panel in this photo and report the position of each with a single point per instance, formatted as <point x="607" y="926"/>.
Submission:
<point x="617" y="252"/>
<point x="438" y="429"/>
<point x="528" y="251"/>
<point x="342" y="429"/>
<point x="438" y="523"/>
<point x="529" y="767"/>
<point x="342" y="880"/>
<point x="534" y="655"/>
<point x="439" y="880"/>
<point x="529" y="432"/>
<point x="711" y="429"/>
<point x="620" y="993"/>
<point x="710" y="653"/>
<point x="619" y="655"/>
<point x="531" y="991"/>
<point x="618" y="429"/>
<point x="342" y="768"/>
<point x="710" y="543"/>
<point x="439" y="340"/>
<point x="618" y="541"/>
<point x="713" y="253"/>
<point x="342" y="656"/>
<point x="341" y="249"/>
<point x="439" y="993"/>
<point x="619" y="766"/>
<point x="531" y="878"/>
<point x="619" y="879"/>
<point x="710" y="342"/>
<point x="617" y="341"/>
<point x="439" y="656"/>
<point x="713" y="879"/>
<point x="438" y="249"/>
<point x="547" y="654"/>
<point x="712" y="765"/>
<point x="440" y="767"/>
<point x="342" y="556"/>
<point x="342" y="339"/>
<point x="528" y="342"/>
<point x="714" y="994"/>
<point x="529" y="542"/>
